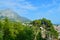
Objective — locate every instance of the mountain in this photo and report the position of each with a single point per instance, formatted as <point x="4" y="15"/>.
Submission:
<point x="12" y="15"/>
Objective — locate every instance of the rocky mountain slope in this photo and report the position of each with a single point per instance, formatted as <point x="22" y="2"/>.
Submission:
<point x="12" y="16"/>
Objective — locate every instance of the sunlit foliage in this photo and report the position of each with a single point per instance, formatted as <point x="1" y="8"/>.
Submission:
<point x="12" y="30"/>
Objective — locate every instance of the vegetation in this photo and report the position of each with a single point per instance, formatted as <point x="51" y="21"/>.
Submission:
<point x="10" y="30"/>
<point x="50" y="32"/>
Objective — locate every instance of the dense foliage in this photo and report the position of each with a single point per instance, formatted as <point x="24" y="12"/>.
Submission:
<point x="14" y="31"/>
<point x="10" y="30"/>
<point x="46" y="24"/>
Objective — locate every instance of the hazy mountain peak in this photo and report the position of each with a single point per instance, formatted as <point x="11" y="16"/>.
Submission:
<point x="12" y="15"/>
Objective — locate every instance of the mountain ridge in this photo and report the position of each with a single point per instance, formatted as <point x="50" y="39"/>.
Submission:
<point x="12" y="15"/>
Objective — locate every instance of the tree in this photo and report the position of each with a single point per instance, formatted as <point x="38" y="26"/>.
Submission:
<point x="47" y="25"/>
<point x="49" y="28"/>
<point x="10" y="30"/>
<point x="6" y="28"/>
<point x="36" y="28"/>
<point x="1" y="30"/>
<point x="25" y="33"/>
<point x="36" y="23"/>
<point x="15" y="31"/>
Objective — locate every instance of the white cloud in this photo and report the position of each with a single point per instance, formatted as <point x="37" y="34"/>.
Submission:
<point x="21" y="6"/>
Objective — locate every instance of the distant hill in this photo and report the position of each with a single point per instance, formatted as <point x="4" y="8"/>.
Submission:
<point x="12" y="15"/>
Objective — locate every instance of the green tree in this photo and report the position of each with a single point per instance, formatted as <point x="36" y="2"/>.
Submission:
<point x="25" y="33"/>
<point x="36" y="23"/>
<point x="6" y="31"/>
<point x="1" y="30"/>
<point x="47" y="25"/>
<point x="12" y="30"/>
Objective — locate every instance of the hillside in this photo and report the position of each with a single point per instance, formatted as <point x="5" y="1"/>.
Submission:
<point x="12" y="15"/>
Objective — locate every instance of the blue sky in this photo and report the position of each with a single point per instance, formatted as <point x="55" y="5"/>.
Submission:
<point x="34" y="9"/>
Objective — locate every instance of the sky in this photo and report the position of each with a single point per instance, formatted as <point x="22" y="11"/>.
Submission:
<point x="34" y="9"/>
